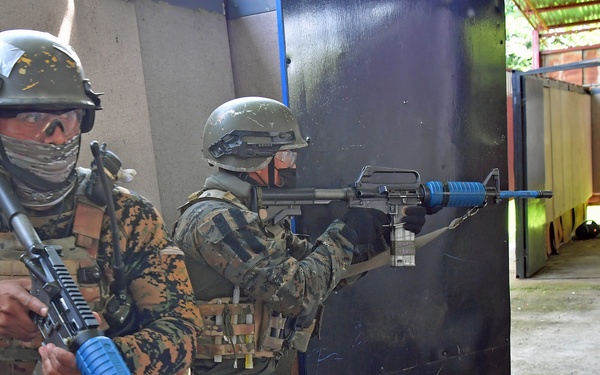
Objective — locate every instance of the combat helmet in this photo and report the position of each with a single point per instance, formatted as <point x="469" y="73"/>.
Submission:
<point x="38" y="71"/>
<point x="243" y="134"/>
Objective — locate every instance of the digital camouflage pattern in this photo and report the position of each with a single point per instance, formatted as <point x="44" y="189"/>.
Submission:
<point x="226" y="245"/>
<point x="166" y="316"/>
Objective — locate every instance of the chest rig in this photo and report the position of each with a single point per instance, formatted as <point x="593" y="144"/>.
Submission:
<point x="79" y="253"/>
<point x="240" y="327"/>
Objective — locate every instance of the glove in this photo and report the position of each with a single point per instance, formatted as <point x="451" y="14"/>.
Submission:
<point x="413" y="218"/>
<point x="367" y="223"/>
<point x="433" y="210"/>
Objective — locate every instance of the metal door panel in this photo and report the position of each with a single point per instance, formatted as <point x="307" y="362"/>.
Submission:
<point x="534" y="253"/>
<point x="417" y="85"/>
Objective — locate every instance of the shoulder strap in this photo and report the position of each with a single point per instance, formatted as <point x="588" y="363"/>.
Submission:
<point x="224" y="195"/>
<point x="383" y="259"/>
<point x="210" y="194"/>
<point x="87" y="223"/>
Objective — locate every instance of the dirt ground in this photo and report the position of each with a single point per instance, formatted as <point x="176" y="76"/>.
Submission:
<point x="555" y="314"/>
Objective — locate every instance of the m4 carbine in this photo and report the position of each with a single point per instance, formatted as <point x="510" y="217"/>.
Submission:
<point x="70" y="323"/>
<point x="389" y="190"/>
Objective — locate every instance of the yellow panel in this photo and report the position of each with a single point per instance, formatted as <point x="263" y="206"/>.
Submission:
<point x="557" y="150"/>
<point x="548" y="160"/>
<point x="566" y="106"/>
<point x="586" y="147"/>
<point x="577" y="124"/>
<point x="596" y="143"/>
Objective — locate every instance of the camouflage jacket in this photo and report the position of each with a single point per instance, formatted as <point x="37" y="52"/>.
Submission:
<point x="226" y="244"/>
<point x="288" y="273"/>
<point x="166" y="317"/>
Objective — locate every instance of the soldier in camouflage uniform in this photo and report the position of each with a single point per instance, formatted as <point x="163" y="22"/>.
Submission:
<point x="45" y="105"/>
<point x="258" y="286"/>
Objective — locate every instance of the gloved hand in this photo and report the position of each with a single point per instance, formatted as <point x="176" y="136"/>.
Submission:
<point x="413" y="218"/>
<point x="433" y="210"/>
<point x="366" y="222"/>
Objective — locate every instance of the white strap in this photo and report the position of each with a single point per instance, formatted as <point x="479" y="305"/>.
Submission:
<point x="383" y="259"/>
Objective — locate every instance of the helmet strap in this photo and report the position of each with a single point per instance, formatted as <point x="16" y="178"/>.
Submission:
<point x="271" y="171"/>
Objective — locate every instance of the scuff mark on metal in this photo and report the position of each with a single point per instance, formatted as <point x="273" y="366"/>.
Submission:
<point x="30" y="86"/>
<point x="321" y="359"/>
<point x="453" y="257"/>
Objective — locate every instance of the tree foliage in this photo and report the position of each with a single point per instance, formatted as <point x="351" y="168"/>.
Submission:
<point x="519" y="51"/>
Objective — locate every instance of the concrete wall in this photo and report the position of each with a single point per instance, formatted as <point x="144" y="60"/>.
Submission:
<point x="255" y="55"/>
<point x="163" y="69"/>
<point x="187" y="74"/>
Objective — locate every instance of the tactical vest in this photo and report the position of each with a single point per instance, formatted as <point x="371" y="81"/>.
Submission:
<point x="79" y="253"/>
<point x="248" y="327"/>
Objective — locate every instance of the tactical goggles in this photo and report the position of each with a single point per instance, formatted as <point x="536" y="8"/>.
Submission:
<point x="285" y="159"/>
<point x="38" y="125"/>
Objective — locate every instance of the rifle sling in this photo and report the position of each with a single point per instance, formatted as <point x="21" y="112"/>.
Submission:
<point x="383" y="259"/>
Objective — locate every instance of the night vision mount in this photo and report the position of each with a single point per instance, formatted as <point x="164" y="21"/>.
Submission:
<point x="263" y="144"/>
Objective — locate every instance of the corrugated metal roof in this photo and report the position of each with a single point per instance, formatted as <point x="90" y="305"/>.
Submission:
<point x="561" y="15"/>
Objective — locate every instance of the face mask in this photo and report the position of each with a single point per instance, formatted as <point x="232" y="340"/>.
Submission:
<point x="288" y="177"/>
<point x="52" y="163"/>
<point x="284" y="174"/>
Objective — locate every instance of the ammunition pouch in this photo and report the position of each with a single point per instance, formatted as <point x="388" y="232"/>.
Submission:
<point x="224" y="320"/>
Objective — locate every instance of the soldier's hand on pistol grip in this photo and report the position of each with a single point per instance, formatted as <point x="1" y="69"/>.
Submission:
<point x="413" y="218"/>
<point x="433" y="210"/>
<point x="367" y="223"/>
<point x="17" y="303"/>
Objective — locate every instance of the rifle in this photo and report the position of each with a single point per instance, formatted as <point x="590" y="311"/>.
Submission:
<point x="389" y="190"/>
<point x="70" y="323"/>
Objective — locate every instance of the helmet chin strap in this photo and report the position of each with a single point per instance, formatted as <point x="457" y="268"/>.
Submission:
<point x="257" y="178"/>
<point x="250" y="177"/>
<point x="271" y="172"/>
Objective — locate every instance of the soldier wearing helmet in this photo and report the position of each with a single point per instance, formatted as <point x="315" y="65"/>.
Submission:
<point x="259" y="287"/>
<point x="45" y="105"/>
